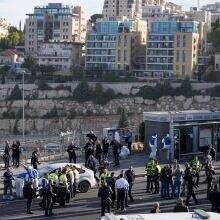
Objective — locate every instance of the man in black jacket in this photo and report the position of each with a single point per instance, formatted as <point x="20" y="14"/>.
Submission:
<point x="130" y="176"/>
<point x="72" y="153"/>
<point x="49" y="200"/>
<point x="8" y="177"/>
<point x="34" y="160"/>
<point x="115" y="148"/>
<point x="105" y="195"/>
<point x="6" y="155"/>
<point x="29" y="194"/>
<point x="111" y="183"/>
<point x="180" y="207"/>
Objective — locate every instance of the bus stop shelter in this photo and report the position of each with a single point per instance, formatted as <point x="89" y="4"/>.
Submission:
<point x="191" y="131"/>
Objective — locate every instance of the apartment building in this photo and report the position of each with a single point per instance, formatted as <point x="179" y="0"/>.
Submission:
<point x="61" y="55"/>
<point x="116" y="45"/>
<point x="214" y="9"/>
<point x="172" y="48"/>
<point x="4" y="26"/>
<point x="54" y="23"/>
<point x="117" y="9"/>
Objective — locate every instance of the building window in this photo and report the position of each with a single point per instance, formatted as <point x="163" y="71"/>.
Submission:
<point x="177" y="56"/>
<point x="184" y="40"/>
<point x="178" y="41"/>
<point x="183" y="56"/>
<point x="183" y="70"/>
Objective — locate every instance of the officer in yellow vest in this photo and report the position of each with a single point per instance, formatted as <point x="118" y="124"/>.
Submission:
<point x="149" y="173"/>
<point x="104" y="175"/>
<point x="53" y="177"/>
<point x="156" y="177"/>
<point x="196" y="167"/>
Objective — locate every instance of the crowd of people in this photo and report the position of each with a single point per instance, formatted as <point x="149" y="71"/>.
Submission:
<point x="115" y="191"/>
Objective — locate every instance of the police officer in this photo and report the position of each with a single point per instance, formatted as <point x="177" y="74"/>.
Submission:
<point x="29" y="194"/>
<point x="196" y="166"/>
<point x="190" y="187"/>
<point x="34" y="159"/>
<point x="71" y="150"/>
<point x="104" y="175"/>
<point x="210" y="172"/>
<point x="115" y="147"/>
<point x="111" y="183"/>
<point x="104" y="194"/>
<point x="49" y="200"/>
<point x="156" y="177"/>
<point x="44" y="184"/>
<point x="149" y="172"/>
<point x="6" y="155"/>
<point x="63" y="187"/>
<point x="130" y="176"/>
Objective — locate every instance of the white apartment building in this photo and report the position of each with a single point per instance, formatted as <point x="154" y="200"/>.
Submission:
<point x="54" y="23"/>
<point x="117" y="9"/>
<point x="60" y="55"/>
<point x="3" y="28"/>
<point x="201" y="16"/>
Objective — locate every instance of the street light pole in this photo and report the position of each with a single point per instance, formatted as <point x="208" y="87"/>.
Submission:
<point x="23" y="119"/>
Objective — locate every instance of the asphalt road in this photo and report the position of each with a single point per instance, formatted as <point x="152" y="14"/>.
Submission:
<point x="87" y="206"/>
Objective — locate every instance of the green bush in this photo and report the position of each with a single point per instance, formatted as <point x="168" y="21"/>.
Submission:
<point x="42" y="85"/>
<point x="165" y="89"/>
<point x="214" y="92"/>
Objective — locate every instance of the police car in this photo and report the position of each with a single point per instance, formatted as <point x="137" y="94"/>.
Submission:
<point x="86" y="176"/>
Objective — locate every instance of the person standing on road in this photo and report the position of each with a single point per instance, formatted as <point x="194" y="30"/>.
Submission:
<point x="156" y="177"/>
<point x="116" y="149"/>
<point x="190" y="187"/>
<point x="8" y="177"/>
<point x="13" y="148"/>
<point x="29" y="194"/>
<point x="111" y="183"/>
<point x="128" y="140"/>
<point x="49" y="200"/>
<point x="149" y="173"/>
<point x="63" y="187"/>
<point x="17" y="153"/>
<point x="178" y="177"/>
<point x="163" y="180"/>
<point x="105" y="144"/>
<point x="130" y="176"/>
<point x="44" y="184"/>
<point x="93" y="165"/>
<point x="209" y="177"/>
<point x="196" y="166"/>
<point x="104" y="194"/>
<point x="34" y="159"/>
<point x="121" y="184"/>
<point x="6" y="155"/>
<point x="88" y="151"/>
<point x="98" y="151"/>
<point x="169" y="181"/>
<point x="71" y="150"/>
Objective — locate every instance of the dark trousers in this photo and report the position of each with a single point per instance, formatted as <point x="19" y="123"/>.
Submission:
<point x="72" y="158"/>
<point x="105" y="155"/>
<point x="86" y="159"/>
<point x="116" y="159"/>
<point x="129" y="192"/>
<point x="190" y="194"/>
<point x="168" y="186"/>
<point x="129" y="147"/>
<point x="113" y="198"/>
<point x="120" y="199"/>
<point x="6" y="161"/>
<point x="29" y="201"/>
<point x="99" y="158"/>
<point x="17" y="160"/>
<point x="49" y="208"/>
<point x="13" y="160"/>
<point x="157" y="185"/>
<point x="8" y="187"/>
<point x="62" y="196"/>
<point x="149" y="183"/>
<point x="197" y="178"/>
<point x="105" y="206"/>
<point x="43" y="202"/>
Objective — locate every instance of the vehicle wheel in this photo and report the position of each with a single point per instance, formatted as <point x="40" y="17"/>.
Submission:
<point x="84" y="186"/>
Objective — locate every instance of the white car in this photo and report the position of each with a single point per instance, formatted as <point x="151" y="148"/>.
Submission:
<point x="86" y="176"/>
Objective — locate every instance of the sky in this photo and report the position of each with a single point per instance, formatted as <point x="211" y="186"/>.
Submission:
<point x="14" y="10"/>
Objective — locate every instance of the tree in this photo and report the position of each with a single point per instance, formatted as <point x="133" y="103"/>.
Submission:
<point x="123" y="121"/>
<point x="77" y="72"/>
<point x="214" y="38"/>
<point x="16" y="94"/>
<point x="30" y="64"/>
<point x="82" y="92"/>
<point x="47" y="69"/>
<point x="94" y="18"/>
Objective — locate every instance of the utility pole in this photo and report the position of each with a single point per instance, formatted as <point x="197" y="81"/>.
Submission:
<point x="198" y="4"/>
